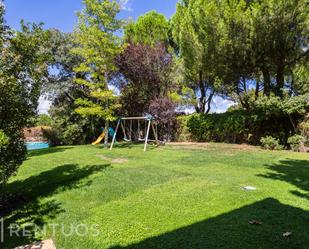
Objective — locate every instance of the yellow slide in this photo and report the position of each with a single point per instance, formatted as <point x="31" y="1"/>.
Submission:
<point x="100" y="138"/>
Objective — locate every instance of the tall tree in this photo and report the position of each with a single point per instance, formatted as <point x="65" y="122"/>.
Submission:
<point x="146" y="64"/>
<point x="243" y="47"/>
<point x="23" y="70"/>
<point x="61" y="77"/>
<point x="144" y="75"/>
<point x="68" y="127"/>
<point x="197" y="48"/>
<point x="280" y="40"/>
<point x="98" y="46"/>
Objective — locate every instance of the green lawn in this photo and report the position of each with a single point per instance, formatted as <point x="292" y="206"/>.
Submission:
<point x="170" y="197"/>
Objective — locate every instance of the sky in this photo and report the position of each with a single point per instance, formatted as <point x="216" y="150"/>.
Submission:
<point x="61" y="14"/>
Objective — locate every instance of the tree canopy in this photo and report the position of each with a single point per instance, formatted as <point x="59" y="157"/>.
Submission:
<point x="149" y="29"/>
<point x="23" y="70"/>
<point x="235" y="48"/>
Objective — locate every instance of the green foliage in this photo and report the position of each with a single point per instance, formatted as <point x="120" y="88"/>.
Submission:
<point x="271" y="143"/>
<point x="54" y="136"/>
<point x="98" y="47"/>
<point x="226" y="127"/>
<point x="41" y="120"/>
<point x="274" y="105"/>
<point x="13" y="117"/>
<point x="149" y="29"/>
<point x="197" y="49"/>
<point x="4" y="140"/>
<point x="67" y="126"/>
<point x="241" y="48"/>
<point x="301" y="77"/>
<point x="69" y="134"/>
<point x="182" y="132"/>
<point x="296" y="104"/>
<point x="304" y="128"/>
<point x="147" y="67"/>
<point x="296" y="142"/>
<point x="23" y="70"/>
<point x="238" y="126"/>
<point x="61" y="78"/>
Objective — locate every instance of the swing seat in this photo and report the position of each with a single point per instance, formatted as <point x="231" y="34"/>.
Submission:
<point x="142" y="137"/>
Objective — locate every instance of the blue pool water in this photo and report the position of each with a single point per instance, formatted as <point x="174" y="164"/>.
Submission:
<point x="37" y="145"/>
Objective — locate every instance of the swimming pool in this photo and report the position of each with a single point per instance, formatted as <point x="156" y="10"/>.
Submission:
<point x="37" y="145"/>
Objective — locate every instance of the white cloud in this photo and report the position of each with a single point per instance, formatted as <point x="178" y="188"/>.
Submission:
<point x="125" y="5"/>
<point x="220" y="105"/>
<point x="44" y="105"/>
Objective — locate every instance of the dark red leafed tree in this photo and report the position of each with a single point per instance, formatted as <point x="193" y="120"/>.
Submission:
<point x="144" y="73"/>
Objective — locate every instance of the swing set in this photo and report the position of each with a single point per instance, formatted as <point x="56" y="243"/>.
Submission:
<point x="137" y="129"/>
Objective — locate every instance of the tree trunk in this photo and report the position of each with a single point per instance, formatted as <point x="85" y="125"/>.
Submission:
<point x="244" y="84"/>
<point x="257" y="89"/>
<point x="280" y="79"/>
<point x="267" y="82"/>
<point x="202" y="100"/>
<point x="209" y="102"/>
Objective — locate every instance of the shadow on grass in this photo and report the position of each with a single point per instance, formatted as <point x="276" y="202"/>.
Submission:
<point x="127" y="145"/>
<point x="50" y="150"/>
<point x="130" y="145"/>
<point x="232" y="230"/>
<point x="33" y="212"/>
<point x="293" y="171"/>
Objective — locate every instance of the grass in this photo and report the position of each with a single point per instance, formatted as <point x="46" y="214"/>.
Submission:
<point x="170" y="197"/>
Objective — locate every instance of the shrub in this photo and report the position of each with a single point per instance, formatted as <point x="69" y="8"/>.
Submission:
<point x="53" y="136"/>
<point x="42" y="120"/>
<point x="271" y="143"/>
<point x="12" y="154"/>
<point x="225" y="127"/>
<point x="182" y="133"/>
<point x="4" y="140"/>
<point x="72" y="134"/>
<point x="239" y="126"/>
<point x="69" y="128"/>
<point x="296" y="142"/>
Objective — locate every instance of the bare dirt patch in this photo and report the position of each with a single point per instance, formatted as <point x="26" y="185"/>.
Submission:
<point x="189" y="145"/>
<point x="213" y="146"/>
<point x="120" y="160"/>
<point x="113" y="160"/>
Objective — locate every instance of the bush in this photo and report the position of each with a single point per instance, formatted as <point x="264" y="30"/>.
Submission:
<point x="53" y="136"/>
<point x="4" y="140"/>
<point x="271" y="143"/>
<point x="12" y="154"/>
<point x="182" y="133"/>
<point x="225" y="127"/>
<point x="14" y="113"/>
<point x="42" y="120"/>
<point x="239" y="126"/>
<point x="296" y="142"/>
<point x="71" y="135"/>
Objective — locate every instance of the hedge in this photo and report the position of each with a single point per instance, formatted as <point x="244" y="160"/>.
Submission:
<point x="238" y="126"/>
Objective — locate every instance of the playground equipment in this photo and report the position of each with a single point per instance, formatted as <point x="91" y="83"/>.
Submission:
<point x="111" y="133"/>
<point x="142" y="135"/>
